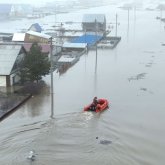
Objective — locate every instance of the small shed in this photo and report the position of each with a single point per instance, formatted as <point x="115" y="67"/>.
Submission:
<point x="94" y="22"/>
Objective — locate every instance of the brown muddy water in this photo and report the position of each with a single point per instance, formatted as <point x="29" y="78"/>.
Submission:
<point x="130" y="76"/>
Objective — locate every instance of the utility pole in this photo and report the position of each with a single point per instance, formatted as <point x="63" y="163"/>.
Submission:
<point x="51" y="72"/>
<point x="96" y="35"/>
<point x="96" y="28"/>
<point x="128" y="16"/>
<point x="116" y="24"/>
<point x="161" y="13"/>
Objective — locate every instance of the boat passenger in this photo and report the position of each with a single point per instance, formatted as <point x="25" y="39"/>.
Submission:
<point x="95" y="101"/>
<point x="94" y="104"/>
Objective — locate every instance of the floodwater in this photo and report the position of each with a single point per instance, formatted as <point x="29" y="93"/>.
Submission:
<point x="130" y="76"/>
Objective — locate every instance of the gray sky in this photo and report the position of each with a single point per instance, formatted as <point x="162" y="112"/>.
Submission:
<point x="35" y="2"/>
<point x="24" y="1"/>
<point x="42" y="2"/>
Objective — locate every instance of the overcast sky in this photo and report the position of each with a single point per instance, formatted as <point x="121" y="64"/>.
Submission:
<point x="24" y="1"/>
<point x="35" y="2"/>
<point x="42" y="2"/>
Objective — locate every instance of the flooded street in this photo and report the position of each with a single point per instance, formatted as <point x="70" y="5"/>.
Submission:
<point x="130" y="76"/>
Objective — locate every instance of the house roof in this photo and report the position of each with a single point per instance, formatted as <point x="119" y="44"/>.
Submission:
<point x="66" y="58"/>
<point x="38" y="34"/>
<point x="74" y="45"/>
<point x="18" y="37"/>
<point x="36" y="26"/>
<point x="88" y="39"/>
<point x="45" y="47"/>
<point x="8" y="55"/>
<point x="88" y="18"/>
<point x="5" y="8"/>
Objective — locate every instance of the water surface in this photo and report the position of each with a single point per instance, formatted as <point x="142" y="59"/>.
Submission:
<point x="129" y="76"/>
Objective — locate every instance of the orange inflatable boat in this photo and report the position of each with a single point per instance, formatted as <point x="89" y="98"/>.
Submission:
<point x="102" y="105"/>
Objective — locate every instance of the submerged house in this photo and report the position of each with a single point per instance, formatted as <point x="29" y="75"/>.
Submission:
<point x="94" y="22"/>
<point x="11" y="56"/>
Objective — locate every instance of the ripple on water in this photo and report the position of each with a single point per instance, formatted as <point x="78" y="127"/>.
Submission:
<point x="16" y="143"/>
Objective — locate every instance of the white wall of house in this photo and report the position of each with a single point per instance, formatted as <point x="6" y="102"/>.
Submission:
<point x="13" y="79"/>
<point x="3" y="81"/>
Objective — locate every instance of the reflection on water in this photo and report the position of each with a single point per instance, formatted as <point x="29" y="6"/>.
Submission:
<point x="95" y="74"/>
<point x="32" y="108"/>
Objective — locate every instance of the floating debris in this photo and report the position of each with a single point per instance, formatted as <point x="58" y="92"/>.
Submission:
<point x="104" y="142"/>
<point x="148" y="65"/>
<point x="146" y="90"/>
<point x="140" y="76"/>
<point x="147" y="51"/>
<point x="143" y="89"/>
<point x="137" y="77"/>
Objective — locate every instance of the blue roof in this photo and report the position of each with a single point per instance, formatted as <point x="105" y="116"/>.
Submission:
<point x="89" y="39"/>
<point x="5" y="8"/>
<point x="37" y="27"/>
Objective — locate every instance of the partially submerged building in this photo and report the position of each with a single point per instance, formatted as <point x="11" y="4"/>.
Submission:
<point x="70" y="54"/>
<point x="94" y="23"/>
<point x="43" y="40"/>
